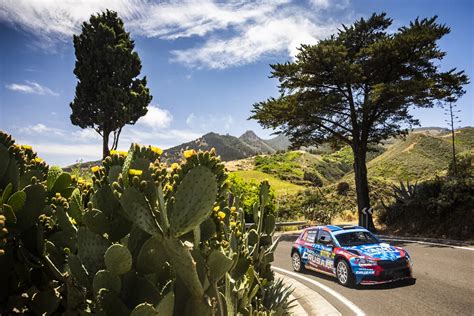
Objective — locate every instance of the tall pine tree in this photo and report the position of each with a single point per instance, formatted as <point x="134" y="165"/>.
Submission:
<point x="108" y="93"/>
<point x="357" y="87"/>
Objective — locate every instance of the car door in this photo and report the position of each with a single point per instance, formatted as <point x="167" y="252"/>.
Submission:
<point x="324" y="249"/>
<point x="309" y="257"/>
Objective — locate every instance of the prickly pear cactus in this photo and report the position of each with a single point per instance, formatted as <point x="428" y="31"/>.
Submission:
<point x="143" y="237"/>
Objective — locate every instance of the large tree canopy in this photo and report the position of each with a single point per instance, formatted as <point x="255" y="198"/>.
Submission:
<point x="357" y="87"/>
<point x="108" y="93"/>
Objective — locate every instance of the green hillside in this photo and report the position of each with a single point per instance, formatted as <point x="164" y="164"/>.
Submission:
<point x="423" y="154"/>
<point x="280" y="187"/>
<point x="420" y="156"/>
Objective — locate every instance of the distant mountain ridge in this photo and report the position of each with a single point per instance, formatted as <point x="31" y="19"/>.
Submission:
<point x="232" y="148"/>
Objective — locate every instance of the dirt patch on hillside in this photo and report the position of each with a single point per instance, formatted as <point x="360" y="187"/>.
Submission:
<point x="241" y="164"/>
<point x="409" y="147"/>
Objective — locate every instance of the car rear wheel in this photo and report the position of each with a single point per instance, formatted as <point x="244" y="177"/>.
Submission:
<point x="296" y="262"/>
<point x="344" y="273"/>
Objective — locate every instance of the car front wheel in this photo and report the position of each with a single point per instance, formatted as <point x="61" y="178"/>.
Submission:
<point x="296" y="262"/>
<point x="344" y="273"/>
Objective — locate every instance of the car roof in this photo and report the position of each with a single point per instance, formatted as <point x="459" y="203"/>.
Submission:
<point x="338" y="228"/>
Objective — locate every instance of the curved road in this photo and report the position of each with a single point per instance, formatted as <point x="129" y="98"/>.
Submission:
<point x="444" y="284"/>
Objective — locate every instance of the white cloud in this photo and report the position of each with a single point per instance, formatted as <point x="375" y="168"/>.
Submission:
<point x="271" y="36"/>
<point x="156" y="118"/>
<point x="86" y="135"/>
<point x="31" y="87"/>
<point x="41" y="129"/>
<point x="210" y="122"/>
<point x="234" y="33"/>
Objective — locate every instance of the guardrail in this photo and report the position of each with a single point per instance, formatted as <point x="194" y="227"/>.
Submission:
<point x="279" y="224"/>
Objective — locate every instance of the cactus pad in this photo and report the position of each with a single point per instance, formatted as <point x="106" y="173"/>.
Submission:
<point x="17" y="200"/>
<point x="78" y="271"/>
<point x="218" y="264"/>
<point x="62" y="182"/>
<point x="137" y="210"/>
<point x="90" y="249"/>
<point x="145" y="309"/>
<point x="104" y="279"/>
<point x="35" y="199"/>
<point x="193" y="200"/>
<point x="118" y="259"/>
<point x="111" y="304"/>
<point x="165" y="307"/>
<point x="184" y="265"/>
<point x="96" y="221"/>
<point x="53" y="174"/>
<point x="75" y="205"/>
<point x="152" y="256"/>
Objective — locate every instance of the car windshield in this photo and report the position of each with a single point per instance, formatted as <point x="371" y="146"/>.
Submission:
<point x="356" y="239"/>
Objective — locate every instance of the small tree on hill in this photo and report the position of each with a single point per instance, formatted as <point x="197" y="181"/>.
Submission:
<point x="108" y="93"/>
<point x="357" y="86"/>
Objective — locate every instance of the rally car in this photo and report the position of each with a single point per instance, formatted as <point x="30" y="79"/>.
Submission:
<point x="352" y="254"/>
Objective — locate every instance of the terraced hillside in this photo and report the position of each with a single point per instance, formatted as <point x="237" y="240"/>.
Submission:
<point x="423" y="154"/>
<point x="420" y="155"/>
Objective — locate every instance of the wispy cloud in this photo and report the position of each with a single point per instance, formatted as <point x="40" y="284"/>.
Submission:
<point x="210" y="122"/>
<point x="233" y="33"/>
<point x="41" y="129"/>
<point x="31" y="87"/>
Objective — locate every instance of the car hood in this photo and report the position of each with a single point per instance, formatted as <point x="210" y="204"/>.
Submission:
<point x="382" y="251"/>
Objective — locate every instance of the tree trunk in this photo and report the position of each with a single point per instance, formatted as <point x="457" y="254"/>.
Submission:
<point x="362" y="187"/>
<point x="105" y="144"/>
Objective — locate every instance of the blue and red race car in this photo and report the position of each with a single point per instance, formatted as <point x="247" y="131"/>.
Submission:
<point x="352" y="254"/>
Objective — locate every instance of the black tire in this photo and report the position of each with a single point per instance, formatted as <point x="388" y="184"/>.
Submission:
<point x="296" y="262"/>
<point x="344" y="273"/>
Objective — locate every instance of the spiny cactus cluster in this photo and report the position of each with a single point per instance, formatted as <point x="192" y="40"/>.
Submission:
<point x="144" y="238"/>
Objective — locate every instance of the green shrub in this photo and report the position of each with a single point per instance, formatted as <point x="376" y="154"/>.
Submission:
<point x="441" y="207"/>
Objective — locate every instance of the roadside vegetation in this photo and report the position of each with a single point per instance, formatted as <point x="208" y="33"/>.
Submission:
<point x="442" y="207"/>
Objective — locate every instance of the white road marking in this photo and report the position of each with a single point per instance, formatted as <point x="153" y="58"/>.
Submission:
<point x="428" y="243"/>
<point x="323" y="287"/>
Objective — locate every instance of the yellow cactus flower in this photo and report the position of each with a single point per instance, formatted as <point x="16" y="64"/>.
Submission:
<point x="221" y="215"/>
<point x="95" y="169"/>
<point x="233" y="209"/>
<point x="216" y="209"/>
<point x="26" y="147"/>
<point x="169" y="187"/>
<point x="118" y="152"/>
<point x="135" y="172"/>
<point x="38" y="160"/>
<point x="174" y="166"/>
<point x="189" y="153"/>
<point x="233" y="224"/>
<point x="156" y="150"/>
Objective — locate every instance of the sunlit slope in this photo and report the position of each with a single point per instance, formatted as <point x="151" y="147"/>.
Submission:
<point x="420" y="156"/>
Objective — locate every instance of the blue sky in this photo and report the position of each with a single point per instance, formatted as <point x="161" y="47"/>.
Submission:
<point x="206" y="63"/>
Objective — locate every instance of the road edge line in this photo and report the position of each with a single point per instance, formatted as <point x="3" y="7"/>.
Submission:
<point x="354" y="308"/>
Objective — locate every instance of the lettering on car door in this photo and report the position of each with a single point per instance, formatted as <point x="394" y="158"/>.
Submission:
<point x="324" y="251"/>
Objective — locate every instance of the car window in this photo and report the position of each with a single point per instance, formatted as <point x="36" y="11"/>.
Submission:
<point x="311" y="236"/>
<point x="324" y="233"/>
<point x="356" y="239"/>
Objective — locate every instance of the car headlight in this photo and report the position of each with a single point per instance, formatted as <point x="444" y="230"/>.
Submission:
<point x="408" y="258"/>
<point x="365" y="262"/>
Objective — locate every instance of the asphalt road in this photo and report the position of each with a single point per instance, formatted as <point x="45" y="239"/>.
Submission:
<point x="444" y="284"/>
